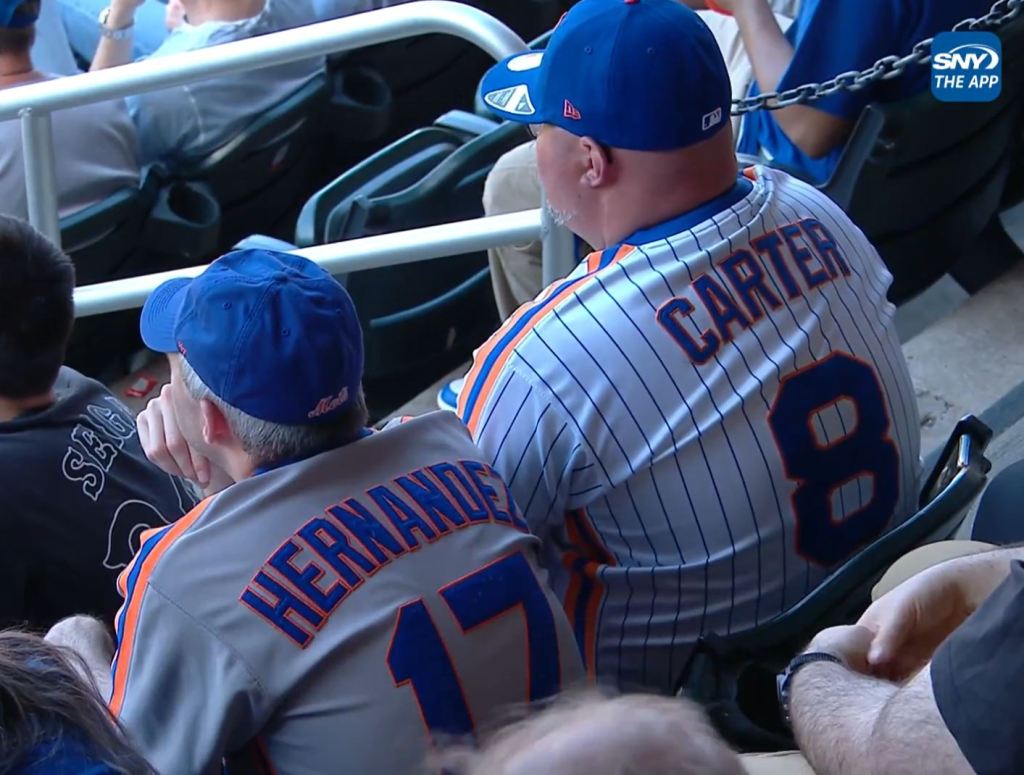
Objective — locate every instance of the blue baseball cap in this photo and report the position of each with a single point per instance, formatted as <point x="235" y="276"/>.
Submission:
<point x="11" y="19"/>
<point x="643" y="75"/>
<point x="271" y="334"/>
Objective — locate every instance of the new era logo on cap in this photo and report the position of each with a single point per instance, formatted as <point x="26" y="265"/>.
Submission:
<point x="569" y="111"/>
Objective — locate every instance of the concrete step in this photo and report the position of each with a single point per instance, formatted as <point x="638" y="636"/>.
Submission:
<point x="969" y="360"/>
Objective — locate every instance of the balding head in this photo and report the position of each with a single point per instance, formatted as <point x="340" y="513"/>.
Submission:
<point x="588" y="734"/>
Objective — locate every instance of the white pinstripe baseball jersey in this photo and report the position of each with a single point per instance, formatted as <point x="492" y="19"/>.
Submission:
<point x="702" y="421"/>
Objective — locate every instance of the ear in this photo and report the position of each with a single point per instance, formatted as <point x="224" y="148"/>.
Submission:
<point x="216" y="430"/>
<point x="599" y="170"/>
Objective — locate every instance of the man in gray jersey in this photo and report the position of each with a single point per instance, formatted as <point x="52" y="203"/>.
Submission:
<point x="345" y="585"/>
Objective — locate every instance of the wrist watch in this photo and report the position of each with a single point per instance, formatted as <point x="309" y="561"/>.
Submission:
<point x="784" y="680"/>
<point x="119" y="33"/>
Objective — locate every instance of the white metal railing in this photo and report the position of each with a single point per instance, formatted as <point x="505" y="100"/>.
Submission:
<point x="34" y="103"/>
<point x="401" y="247"/>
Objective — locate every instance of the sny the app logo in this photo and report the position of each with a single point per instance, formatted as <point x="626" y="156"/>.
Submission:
<point x="967" y="67"/>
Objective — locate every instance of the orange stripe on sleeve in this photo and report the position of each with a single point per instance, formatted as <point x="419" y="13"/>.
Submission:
<point x="538" y="310"/>
<point x="127" y="644"/>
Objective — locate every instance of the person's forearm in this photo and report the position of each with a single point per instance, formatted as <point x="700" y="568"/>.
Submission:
<point x="977" y="576"/>
<point x="110" y="52"/>
<point x="770" y="54"/>
<point x="850" y="724"/>
<point x="834" y="710"/>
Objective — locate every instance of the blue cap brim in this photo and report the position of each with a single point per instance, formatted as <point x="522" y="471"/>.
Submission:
<point x="510" y="90"/>
<point x="159" y="314"/>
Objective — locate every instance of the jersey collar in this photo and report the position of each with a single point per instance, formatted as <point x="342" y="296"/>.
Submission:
<point x="686" y="221"/>
<point x="288" y="461"/>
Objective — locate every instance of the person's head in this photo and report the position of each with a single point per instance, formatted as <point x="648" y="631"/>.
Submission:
<point x="37" y="283"/>
<point x="266" y="358"/>
<point x="589" y="734"/>
<point x="630" y="104"/>
<point x="46" y="706"/>
<point x="17" y="27"/>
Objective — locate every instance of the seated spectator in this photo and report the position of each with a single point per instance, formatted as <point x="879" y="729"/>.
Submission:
<point x="341" y="599"/>
<point x="94" y="145"/>
<point x="76" y="490"/>
<point x="182" y="124"/>
<point x="51" y="720"/>
<point x="765" y="50"/>
<point x="826" y="39"/>
<point x="588" y="734"/>
<point x="929" y="679"/>
<point x="713" y="410"/>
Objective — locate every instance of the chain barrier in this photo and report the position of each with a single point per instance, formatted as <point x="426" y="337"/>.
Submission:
<point x="885" y="69"/>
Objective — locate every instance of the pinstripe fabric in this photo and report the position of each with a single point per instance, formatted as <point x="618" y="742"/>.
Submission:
<point x="599" y="410"/>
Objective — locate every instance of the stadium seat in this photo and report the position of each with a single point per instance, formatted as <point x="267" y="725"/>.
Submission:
<point x="733" y="676"/>
<point x="261" y="177"/>
<point x="420" y="319"/>
<point x="433" y="73"/>
<point x="924" y="178"/>
<point x="102" y="241"/>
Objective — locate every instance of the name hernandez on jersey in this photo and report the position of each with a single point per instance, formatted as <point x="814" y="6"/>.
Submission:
<point x="302" y="583"/>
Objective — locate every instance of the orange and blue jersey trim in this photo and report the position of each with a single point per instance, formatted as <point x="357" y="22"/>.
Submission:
<point x="133" y="583"/>
<point x="492" y="356"/>
<point x="586" y="591"/>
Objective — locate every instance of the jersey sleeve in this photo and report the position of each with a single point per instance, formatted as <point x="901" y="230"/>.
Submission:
<point x="184" y="697"/>
<point x="529" y="439"/>
<point x="837" y="36"/>
<point x="977" y="678"/>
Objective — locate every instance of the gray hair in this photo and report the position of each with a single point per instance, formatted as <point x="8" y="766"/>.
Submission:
<point x="267" y="442"/>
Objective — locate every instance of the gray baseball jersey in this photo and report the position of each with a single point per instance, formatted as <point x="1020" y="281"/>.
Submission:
<point x="288" y="622"/>
<point x="702" y="422"/>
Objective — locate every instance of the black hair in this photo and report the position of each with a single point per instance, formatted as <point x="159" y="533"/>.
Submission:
<point x="19" y="40"/>
<point x="37" y="283"/>
<point x="45" y="703"/>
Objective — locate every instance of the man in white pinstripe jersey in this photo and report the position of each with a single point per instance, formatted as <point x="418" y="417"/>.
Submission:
<point x="712" y="410"/>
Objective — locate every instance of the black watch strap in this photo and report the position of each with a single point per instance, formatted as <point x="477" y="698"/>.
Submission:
<point x="784" y="680"/>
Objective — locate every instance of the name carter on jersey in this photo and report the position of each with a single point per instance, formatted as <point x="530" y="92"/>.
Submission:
<point x="806" y="246"/>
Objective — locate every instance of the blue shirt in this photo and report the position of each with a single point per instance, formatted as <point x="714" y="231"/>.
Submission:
<point x="831" y="37"/>
<point x="181" y="124"/>
<point x="65" y="756"/>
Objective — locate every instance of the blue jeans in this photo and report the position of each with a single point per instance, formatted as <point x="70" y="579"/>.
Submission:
<point x="83" y="28"/>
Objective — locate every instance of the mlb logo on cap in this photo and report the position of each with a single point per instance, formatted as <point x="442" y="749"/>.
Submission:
<point x="644" y="75"/>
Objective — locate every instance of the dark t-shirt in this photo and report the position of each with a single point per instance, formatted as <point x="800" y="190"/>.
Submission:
<point x="76" y="492"/>
<point x="978" y="680"/>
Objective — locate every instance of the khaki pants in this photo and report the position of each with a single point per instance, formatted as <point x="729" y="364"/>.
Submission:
<point x="513" y="186"/>
<point x="922" y="558"/>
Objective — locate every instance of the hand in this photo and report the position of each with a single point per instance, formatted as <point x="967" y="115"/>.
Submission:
<point x="910" y="622"/>
<point x="175" y="15"/>
<point x="90" y="639"/>
<point x="850" y="643"/>
<point x="164" y="445"/>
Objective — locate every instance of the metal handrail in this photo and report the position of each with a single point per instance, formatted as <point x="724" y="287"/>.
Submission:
<point x="400" y="247"/>
<point x="34" y="103"/>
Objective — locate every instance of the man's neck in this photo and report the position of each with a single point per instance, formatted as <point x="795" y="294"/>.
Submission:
<point x="13" y="408"/>
<point x="16" y="69"/>
<point x="203" y="11"/>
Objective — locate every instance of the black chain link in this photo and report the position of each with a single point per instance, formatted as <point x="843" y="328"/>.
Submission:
<point x="885" y="69"/>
